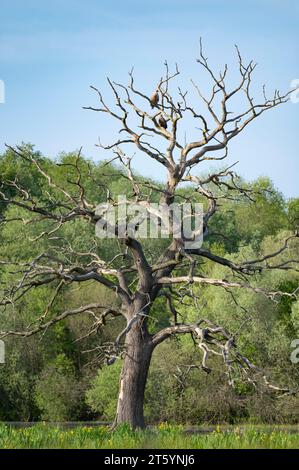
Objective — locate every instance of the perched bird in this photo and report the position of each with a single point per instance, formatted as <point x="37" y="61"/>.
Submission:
<point x="162" y="122"/>
<point x="154" y="99"/>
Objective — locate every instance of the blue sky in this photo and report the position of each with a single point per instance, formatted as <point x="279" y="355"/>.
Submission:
<point x="51" y="51"/>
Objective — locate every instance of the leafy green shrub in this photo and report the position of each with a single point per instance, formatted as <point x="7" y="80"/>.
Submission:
<point x="102" y="396"/>
<point x="58" y="392"/>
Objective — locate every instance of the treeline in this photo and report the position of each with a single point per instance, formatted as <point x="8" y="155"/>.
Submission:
<point x="56" y="375"/>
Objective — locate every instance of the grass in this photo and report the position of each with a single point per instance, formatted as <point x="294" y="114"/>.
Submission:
<point x="164" y="436"/>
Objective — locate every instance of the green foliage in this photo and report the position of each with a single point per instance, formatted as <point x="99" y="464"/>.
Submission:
<point x="17" y="385"/>
<point x="102" y="396"/>
<point x="49" y="379"/>
<point x="57" y="392"/>
<point x="293" y="213"/>
<point x="250" y="220"/>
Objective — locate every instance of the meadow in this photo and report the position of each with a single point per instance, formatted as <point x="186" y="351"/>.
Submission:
<point x="163" y="436"/>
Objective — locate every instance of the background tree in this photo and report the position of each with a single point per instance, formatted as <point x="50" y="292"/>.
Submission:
<point x="144" y="272"/>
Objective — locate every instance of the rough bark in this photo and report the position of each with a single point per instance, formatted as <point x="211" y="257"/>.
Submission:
<point x="133" y="378"/>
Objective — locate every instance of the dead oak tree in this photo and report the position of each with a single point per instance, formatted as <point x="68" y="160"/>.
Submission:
<point x="154" y="132"/>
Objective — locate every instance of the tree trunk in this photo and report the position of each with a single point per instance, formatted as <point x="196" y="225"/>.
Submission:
<point x="133" y="378"/>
